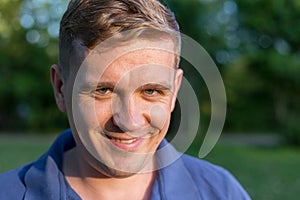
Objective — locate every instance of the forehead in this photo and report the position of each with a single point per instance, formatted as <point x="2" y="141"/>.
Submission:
<point x="137" y="58"/>
<point x="142" y="57"/>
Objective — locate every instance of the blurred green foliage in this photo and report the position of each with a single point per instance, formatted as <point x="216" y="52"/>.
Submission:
<point x="26" y="101"/>
<point x="256" y="45"/>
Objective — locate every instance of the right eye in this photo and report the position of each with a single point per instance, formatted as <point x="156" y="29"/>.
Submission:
<point x="103" y="91"/>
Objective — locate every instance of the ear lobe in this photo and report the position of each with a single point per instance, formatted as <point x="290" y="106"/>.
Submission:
<point x="57" y="85"/>
<point x="177" y="84"/>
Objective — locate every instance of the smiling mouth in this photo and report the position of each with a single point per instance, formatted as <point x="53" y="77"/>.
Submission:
<point x="125" y="143"/>
<point x="122" y="141"/>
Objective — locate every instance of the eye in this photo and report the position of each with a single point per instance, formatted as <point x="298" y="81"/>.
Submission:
<point x="150" y="91"/>
<point x="103" y="91"/>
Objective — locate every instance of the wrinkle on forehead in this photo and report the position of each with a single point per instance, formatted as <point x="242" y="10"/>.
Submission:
<point x="144" y="75"/>
<point x="99" y="66"/>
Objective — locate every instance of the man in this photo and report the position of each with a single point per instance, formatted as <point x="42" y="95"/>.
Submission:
<point x="117" y="80"/>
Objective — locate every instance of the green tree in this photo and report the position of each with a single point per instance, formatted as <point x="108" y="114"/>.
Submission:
<point x="256" y="46"/>
<point x="26" y="101"/>
<point x="264" y="79"/>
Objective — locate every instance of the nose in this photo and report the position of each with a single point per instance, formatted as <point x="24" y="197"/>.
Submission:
<point x="128" y="114"/>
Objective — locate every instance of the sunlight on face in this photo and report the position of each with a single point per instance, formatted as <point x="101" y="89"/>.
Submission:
<point x="122" y="101"/>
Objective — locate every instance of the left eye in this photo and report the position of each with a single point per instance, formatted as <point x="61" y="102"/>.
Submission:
<point x="103" y="90"/>
<point x="150" y="91"/>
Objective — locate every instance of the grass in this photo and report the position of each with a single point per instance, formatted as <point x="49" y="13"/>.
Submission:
<point x="16" y="150"/>
<point x="266" y="173"/>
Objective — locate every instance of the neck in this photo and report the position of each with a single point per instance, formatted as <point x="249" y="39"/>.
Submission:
<point x="90" y="183"/>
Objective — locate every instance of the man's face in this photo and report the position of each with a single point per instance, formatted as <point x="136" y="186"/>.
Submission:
<point x="121" y="105"/>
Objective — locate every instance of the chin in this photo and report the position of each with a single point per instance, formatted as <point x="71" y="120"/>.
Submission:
<point x="123" y="168"/>
<point x="117" y="172"/>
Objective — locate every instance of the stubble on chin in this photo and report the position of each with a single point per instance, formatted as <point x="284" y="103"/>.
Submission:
<point x="127" y="164"/>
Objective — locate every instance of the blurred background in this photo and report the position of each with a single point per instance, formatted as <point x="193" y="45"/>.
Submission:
<point x="255" y="44"/>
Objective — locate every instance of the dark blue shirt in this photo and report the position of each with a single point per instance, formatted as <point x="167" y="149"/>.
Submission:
<point x="187" y="178"/>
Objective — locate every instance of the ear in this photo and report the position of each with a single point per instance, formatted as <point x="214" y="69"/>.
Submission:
<point x="177" y="84"/>
<point x="58" y="85"/>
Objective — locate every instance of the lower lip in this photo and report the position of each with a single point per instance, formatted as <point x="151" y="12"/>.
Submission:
<point x="127" y="147"/>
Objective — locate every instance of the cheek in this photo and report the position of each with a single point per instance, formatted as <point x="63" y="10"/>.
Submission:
<point x="159" y="116"/>
<point x="103" y="111"/>
<point x="89" y="112"/>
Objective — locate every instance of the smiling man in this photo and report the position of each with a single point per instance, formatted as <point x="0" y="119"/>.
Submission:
<point x="117" y="80"/>
<point x="122" y="101"/>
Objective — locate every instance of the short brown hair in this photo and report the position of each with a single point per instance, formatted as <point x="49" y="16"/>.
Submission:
<point x="93" y="21"/>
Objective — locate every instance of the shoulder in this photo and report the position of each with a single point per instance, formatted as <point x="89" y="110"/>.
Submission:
<point x="13" y="187"/>
<point x="34" y="176"/>
<point x="203" y="168"/>
<point x="214" y="178"/>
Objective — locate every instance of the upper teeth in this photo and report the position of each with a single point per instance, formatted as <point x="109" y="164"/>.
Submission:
<point x="124" y="141"/>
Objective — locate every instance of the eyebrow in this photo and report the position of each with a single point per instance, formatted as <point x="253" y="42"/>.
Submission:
<point x="161" y="86"/>
<point x="106" y="84"/>
<point x="91" y="85"/>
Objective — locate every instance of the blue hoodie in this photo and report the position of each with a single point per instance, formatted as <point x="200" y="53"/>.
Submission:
<point x="187" y="178"/>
